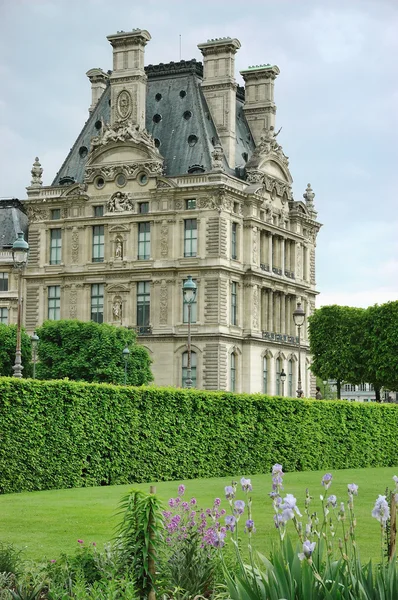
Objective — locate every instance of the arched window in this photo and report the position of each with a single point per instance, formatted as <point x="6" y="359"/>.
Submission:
<point x="265" y="375"/>
<point x="290" y="378"/>
<point x="185" y="368"/>
<point x="278" y="376"/>
<point x="233" y="372"/>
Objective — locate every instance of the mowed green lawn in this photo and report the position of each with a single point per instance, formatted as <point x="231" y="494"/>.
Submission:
<point x="47" y="523"/>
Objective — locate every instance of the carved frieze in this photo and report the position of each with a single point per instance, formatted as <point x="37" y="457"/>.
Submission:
<point x="75" y="246"/>
<point x="163" y="303"/>
<point x="36" y="214"/>
<point x="164" y="240"/>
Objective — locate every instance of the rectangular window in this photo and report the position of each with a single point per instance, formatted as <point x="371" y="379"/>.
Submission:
<point x="98" y="243"/>
<point x="55" y="246"/>
<point x="143" y="303"/>
<point x="97" y="302"/>
<point x="234" y="231"/>
<point x="3" y="282"/>
<point x="194" y="310"/>
<point x="190" y="204"/>
<point x="190" y="237"/>
<point x="290" y="378"/>
<point x="265" y="375"/>
<point x="54" y="302"/>
<point x="185" y="369"/>
<point x="234" y="303"/>
<point x="144" y="241"/>
<point x="233" y="372"/>
<point x="143" y="207"/>
<point x="278" y="376"/>
<point x="55" y="214"/>
<point x="99" y="211"/>
<point x="4" y="316"/>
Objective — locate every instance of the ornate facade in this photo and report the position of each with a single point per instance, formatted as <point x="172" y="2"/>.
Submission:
<point x="179" y="172"/>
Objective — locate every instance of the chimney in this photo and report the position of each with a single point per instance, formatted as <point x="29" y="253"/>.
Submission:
<point x="98" y="79"/>
<point x="259" y="104"/>
<point x="128" y="79"/>
<point x="219" y="88"/>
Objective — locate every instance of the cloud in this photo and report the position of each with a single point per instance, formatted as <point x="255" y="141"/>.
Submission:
<point x="361" y="298"/>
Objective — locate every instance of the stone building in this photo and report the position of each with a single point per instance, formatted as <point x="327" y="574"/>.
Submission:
<point x="12" y="220"/>
<point x="178" y="171"/>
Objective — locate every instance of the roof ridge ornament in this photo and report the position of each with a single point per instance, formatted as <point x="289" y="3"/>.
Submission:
<point x="37" y="172"/>
<point x="309" y="201"/>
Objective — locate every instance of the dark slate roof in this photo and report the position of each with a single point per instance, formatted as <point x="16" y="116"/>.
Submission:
<point x="182" y="125"/>
<point x="12" y="220"/>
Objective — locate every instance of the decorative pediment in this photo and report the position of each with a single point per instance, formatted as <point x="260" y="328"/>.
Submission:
<point x="118" y="229"/>
<point x="76" y="191"/>
<point x="117" y="288"/>
<point x="165" y="183"/>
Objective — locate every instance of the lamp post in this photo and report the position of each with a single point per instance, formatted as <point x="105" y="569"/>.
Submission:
<point x="325" y="393"/>
<point x="283" y="379"/>
<point x="299" y="318"/>
<point x="35" y="340"/>
<point x="126" y="355"/>
<point x="20" y="250"/>
<point x="189" y="295"/>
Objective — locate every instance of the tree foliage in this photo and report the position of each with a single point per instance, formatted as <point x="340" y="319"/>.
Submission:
<point x="8" y="342"/>
<point x="336" y="343"/>
<point x="381" y="343"/>
<point x="88" y="351"/>
<point x="356" y="345"/>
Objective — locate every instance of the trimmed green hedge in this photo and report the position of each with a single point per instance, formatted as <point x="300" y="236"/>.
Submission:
<point x="59" y="434"/>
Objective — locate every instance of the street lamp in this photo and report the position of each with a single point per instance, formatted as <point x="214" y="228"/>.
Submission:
<point x="325" y="394"/>
<point x="189" y="295"/>
<point x="283" y="379"/>
<point x="20" y="251"/>
<point x="126" y="355"/>
<point x="35" y="340"/>
<point x="299" y="318"/>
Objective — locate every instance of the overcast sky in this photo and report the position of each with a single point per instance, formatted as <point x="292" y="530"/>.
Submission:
<point x="337" y="98"/>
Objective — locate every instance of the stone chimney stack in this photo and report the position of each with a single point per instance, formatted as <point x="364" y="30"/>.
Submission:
<point x="259" y="104"/>
<point x="128" y="79"/>
<point x="98" y="79"/>
<point x="219" y="88"/>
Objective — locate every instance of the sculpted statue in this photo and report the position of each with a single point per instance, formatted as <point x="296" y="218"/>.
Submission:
<point x="119" y="249"/>
<point x="217" y="158"/>
<point x="119" y="202"/>
<point x="122" y="131"/>
<point x="117" y="309"/>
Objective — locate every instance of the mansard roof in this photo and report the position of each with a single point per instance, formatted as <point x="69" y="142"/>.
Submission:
<point x="12" y="220"/>
<point x="177" y="117"/>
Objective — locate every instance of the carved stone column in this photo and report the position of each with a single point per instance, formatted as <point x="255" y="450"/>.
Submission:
<point x="283" y="313"/>
<point x="287" y="257"/>
<point x="282" y="247"/>
<point x="289" y="315"/>
<point x="270" y="255"/>
<point x="299" y="261"/>
<point x="270" y="310"/>
<point x="264" y="309"/>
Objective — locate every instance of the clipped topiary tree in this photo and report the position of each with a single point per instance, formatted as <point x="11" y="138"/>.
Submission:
<point x="8" y="341"/>
<point x="88" y="351"/>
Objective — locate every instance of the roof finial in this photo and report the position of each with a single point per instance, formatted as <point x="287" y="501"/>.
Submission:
<point x="37" y="172"/>
<point x="309" y="200"/>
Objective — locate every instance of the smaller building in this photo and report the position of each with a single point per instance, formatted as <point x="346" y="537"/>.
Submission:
<point x="12" y="220"/>
<point x="364" y="392"/>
